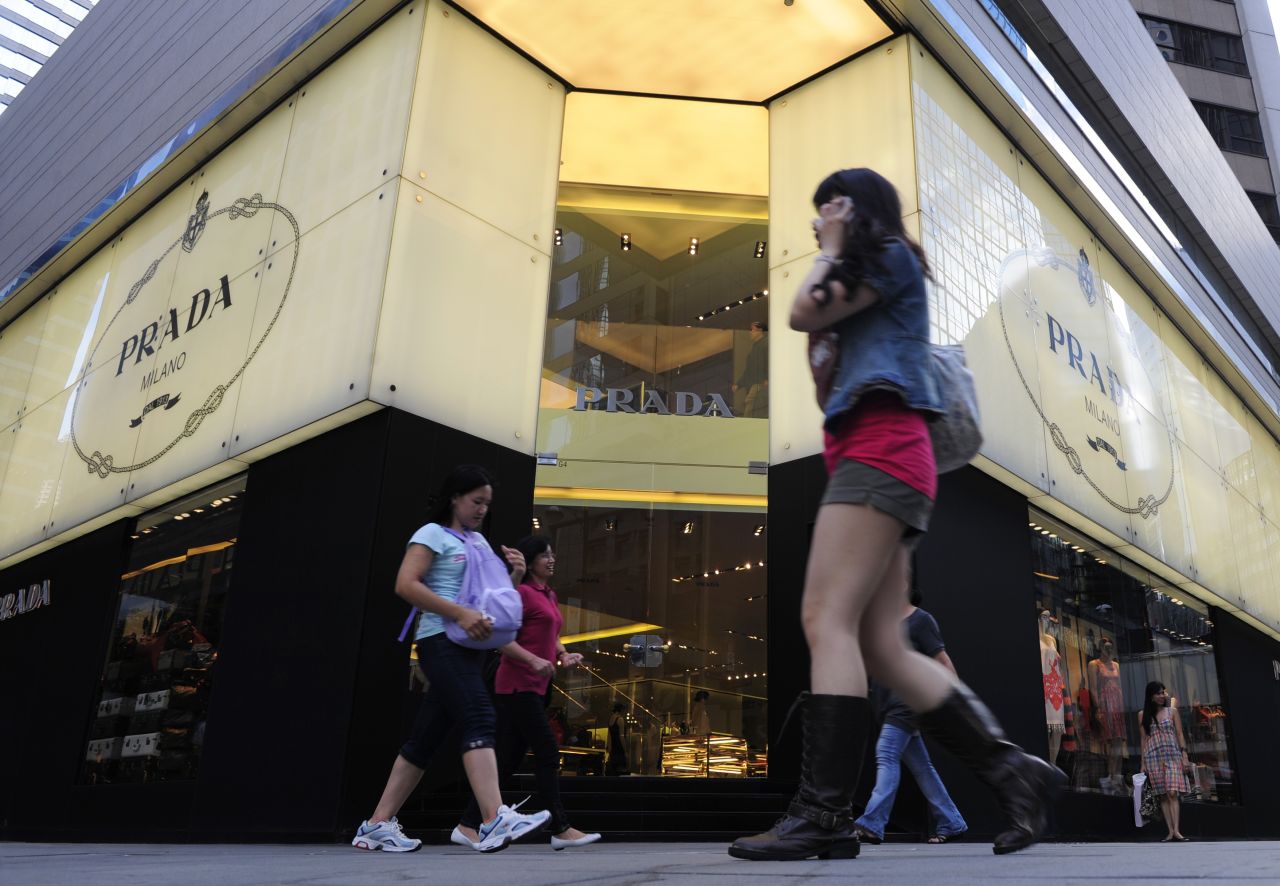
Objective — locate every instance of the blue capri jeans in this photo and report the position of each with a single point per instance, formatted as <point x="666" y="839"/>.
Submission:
<point x="455" y="694"/>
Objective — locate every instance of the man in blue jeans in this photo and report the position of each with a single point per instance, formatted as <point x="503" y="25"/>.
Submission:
<point x="900" y="742"/>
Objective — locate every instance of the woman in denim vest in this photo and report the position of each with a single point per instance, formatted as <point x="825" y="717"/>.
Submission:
<point x="867" y="286"/>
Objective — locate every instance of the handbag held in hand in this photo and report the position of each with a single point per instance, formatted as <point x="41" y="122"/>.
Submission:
<point x="486" y="588"/>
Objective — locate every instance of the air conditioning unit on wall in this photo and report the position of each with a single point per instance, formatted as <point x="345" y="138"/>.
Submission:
<point x="1161" y="33"/>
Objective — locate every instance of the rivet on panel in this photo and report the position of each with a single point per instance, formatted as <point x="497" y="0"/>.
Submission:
<point x="418" y="198"/>
<point x="782" y="104"/>
<point x="517" y="435"/>
<point x="422" y="173"/>
<point x="393" y="387"/>
<point x="786" y="273"/>
<point x="535" y="236"/>
<point x="446" y="13"/>
<point x="786" y="252"/>
<point x="533" y="259"/>
<point x="889" y="51"/>
<point x="351" y="387"/>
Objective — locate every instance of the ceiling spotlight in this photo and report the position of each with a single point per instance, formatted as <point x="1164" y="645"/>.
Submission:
<point x="626" y="242"/>
<point x="693" y="245"/>
<point x="687" y="528"/>
<point x="611" y="524"/>
<point x="558" y="236"/>
<point x="537" y="524"/>
<point x="758" y="531"/>
<point x="759" y="250"/>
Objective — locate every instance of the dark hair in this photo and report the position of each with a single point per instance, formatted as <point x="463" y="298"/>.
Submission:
<point x="459" y="481"/>
<point x="760" y="324"/>
<point x="619" y="708"/>
<point x="701" y="695"/>
<point x="532" y="546"/>
<point x="877" y="219"/>
<point x="915" y="597"/>
<point x="1149" y="707"/>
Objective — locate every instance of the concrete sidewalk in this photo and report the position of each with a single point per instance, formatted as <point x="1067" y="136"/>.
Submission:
<point x="66" y="864"/>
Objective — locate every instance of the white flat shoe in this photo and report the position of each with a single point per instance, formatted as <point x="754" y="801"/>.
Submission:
<point x="557" y="844"/>
<point x="461" y="839"/>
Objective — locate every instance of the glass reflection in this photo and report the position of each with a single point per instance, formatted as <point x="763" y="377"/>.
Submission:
<point x="668" y="608"/>
<point x="1106" y="628"/>
<point x="655" y="300"/>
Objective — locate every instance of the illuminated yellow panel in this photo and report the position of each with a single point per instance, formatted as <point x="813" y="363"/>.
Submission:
<point x="19" y="346"/>
<point x="75" y="314"/>
<point x="484" y="133"/>
<point x="637" y="627"/>
<point x="545" y="494"/>
<point x="745" y="49"/>
<point x="821" y="127"/>
<point x="349" y="125"/>
<point x="659" y="143"/>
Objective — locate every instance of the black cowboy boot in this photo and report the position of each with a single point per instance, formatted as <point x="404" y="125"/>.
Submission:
<point x="819" y="821"/>
<point x="1025" y="785"/>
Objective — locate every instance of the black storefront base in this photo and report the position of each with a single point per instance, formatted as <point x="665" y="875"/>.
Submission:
<point x="309" y="699"/>
<point x="305" y="713"/>
<point x="974" y="569"/>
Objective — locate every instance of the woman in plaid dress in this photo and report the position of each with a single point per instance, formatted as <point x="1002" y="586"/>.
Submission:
<point x="1164" y="755"/>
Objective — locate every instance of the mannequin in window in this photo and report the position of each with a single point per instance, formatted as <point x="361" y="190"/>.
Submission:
<point x="699" y="718"/>
<point x="1051" y="674"/>
<point x="1108" y="707"/>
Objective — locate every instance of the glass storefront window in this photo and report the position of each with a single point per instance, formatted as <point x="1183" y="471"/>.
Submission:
<point x="1106" y="628"/>
<point x="644" y="303"/>
<point x="149" y="716"/>
<point x="668" y="608"/>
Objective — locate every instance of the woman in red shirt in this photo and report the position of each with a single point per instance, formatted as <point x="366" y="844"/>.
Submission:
<point x="523" y="683"/>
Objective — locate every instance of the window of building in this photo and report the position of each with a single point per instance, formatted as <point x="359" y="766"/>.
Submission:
<point x="1203" y="48"/>
<point x="148" y="721"/>
<point x="1107" y="629"/>
<point x="1268" y="211"/>
<point x="1233" y="129"/>
<point x="669" y="609"/>
<point x="653" y="435"/>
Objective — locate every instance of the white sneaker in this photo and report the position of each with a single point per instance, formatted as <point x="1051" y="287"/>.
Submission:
<point x="557" y="844"/>
<point x="387" y="836"/>
<point x="462" y="839"/>
<point x="508" y="826"/>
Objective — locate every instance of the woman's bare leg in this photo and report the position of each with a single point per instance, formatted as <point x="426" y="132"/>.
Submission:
<point x="921" y="682"/>
<point x="1175" y="806"/>
<point x="400" y="784"/>
<point x="481" y="765"/>
<point x="853" y="546"/>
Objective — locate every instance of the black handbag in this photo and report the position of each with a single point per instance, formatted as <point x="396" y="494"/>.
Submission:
<point x="1150" y="808"/>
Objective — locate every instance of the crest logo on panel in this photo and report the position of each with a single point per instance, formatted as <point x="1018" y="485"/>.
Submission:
<point x="1084" y="370"/>
<point x="166" y="359"/>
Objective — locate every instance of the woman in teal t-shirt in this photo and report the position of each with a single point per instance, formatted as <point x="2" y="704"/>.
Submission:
<point x="430" y="578"/>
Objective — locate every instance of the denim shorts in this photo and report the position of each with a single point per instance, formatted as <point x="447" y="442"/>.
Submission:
<point x="855" y="483"/>
<point x="456" y="694"/>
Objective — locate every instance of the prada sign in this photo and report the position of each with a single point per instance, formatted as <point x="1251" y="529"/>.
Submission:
<point x="165" y="360"/>
<point x="24" y="600"/>
<point x="1091" y="411"/>
<point x="654" y="402"/>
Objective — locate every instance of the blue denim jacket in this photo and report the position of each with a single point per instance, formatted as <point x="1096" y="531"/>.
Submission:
<point x="886" y="346"/>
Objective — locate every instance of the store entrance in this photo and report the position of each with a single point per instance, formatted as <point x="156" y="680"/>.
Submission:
<point x="653" y="437"/>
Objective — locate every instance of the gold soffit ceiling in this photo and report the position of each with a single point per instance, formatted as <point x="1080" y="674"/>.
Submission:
<point x="740" y="50"/>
